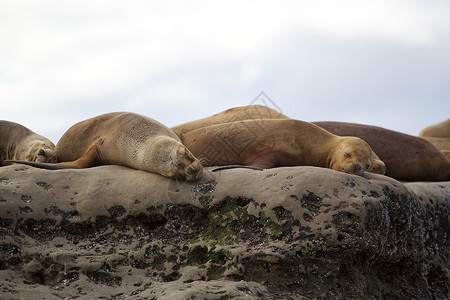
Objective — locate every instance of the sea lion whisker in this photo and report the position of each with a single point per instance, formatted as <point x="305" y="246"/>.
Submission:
<point x="202" y="160"/>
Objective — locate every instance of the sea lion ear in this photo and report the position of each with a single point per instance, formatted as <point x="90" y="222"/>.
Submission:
<point x="41" y="152"/>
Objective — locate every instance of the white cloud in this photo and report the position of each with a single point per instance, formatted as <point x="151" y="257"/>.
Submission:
<point x="142" y="53"/>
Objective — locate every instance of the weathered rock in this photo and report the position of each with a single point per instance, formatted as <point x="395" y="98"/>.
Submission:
<point x="285" y="233"/>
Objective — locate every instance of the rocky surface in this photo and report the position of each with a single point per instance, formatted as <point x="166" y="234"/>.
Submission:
<point x="288" y="233"/>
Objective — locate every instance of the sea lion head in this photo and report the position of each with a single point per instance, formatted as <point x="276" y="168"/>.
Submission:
<point x="175" y="160"/>
<point x="45" y="156"/>
<point x="351" y="155"/>
<point x="37" y="151"/>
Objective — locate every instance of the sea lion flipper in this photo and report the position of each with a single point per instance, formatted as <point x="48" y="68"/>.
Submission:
<point x="89" y="159"/>
<point x="48" y="166"/>
<point x="235" y="167"/>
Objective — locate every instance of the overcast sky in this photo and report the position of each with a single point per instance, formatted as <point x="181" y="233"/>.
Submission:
<point x="384" y="62"/>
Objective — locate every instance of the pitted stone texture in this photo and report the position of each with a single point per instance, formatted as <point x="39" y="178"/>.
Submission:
<point x="300" y="233"/>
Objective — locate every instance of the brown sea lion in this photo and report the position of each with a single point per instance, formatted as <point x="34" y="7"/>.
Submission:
<point x="252" y="112"/>
<point x="278" y="142"/>
<point x="439" y="130"/>
<point x="407" y="158"/>
<point x="20" y="143"/>
<point x="126" y="139"/>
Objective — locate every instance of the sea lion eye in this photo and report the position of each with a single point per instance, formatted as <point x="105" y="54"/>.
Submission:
<point x="346" y="154"/>
<point x="190" y="171"/>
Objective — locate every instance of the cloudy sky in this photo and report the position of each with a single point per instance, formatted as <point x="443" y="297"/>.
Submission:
<point x="384" y="62"/>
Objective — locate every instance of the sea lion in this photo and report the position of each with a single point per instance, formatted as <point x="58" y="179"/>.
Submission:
<point x="20" y="143"/>
<point x="127" y="139"/>
<point x="272" y="143"/>
<point x="249" y="112"/>
<point x="439" y="130"/>
<point x="438" y="135"/>
<point x="440" y="143"/>
<point x="252" y="112"/>
<point x="446" y="153"/>
<point x="407" y="158"/>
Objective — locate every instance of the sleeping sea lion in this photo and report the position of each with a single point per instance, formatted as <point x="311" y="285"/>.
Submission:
<point x="278" y="142"/>
<point x="127" y="139"/>
<point x="20" y="143"/>
<point x="249" y="112"/>
<point x="407" y="158"/>
<point x="439" y="130"/>
<point x="252" y="112"/>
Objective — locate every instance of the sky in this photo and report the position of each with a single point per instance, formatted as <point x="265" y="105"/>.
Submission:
<point x="383" y="63"/>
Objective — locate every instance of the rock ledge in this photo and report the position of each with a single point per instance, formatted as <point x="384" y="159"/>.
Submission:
<point x="286" y="233"/>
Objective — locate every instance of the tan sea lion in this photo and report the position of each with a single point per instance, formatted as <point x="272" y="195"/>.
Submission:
<point x="440" y="143"/>
<point x="439" y="130"/>
<point x="407" y="158"/>
<point x="275" y="143"/>
<point x="446" y="153"/>
<point x="252" y="112"/>
<point x="20" y="143"/>
<point x="439" y="136"/>
<point x="126" y="139"/>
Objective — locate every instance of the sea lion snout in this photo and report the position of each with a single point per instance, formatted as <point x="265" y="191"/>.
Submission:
<point x="194" y="171"/>
<point x="45" y="156"/>
<point x="353" y="168"/>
